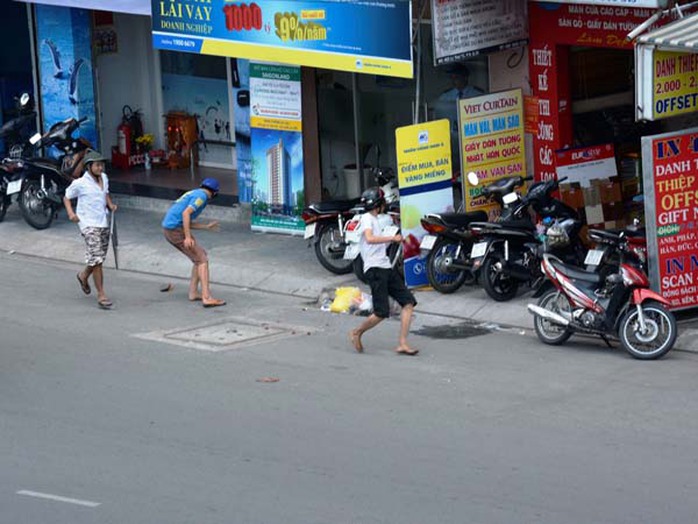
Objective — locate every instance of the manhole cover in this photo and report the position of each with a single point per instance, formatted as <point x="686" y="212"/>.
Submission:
<point x="449" y="331"/>
<point x="226" y="334"/>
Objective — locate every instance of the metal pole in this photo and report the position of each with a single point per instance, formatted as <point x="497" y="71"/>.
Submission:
<point x="357" y="146"/>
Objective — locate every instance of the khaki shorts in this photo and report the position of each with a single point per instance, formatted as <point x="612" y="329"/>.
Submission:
<point x="196" y="254"/>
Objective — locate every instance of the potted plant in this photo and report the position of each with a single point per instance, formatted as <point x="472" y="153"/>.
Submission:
<point x="145" y="143"/>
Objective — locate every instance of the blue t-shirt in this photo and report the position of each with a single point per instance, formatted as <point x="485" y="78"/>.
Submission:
<point x="195" y="199"/>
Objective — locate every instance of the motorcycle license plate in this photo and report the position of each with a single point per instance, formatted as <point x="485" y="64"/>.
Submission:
<point x="478" y="250"/>
<point x="309" y="231"/>
<point x="427" y="242"/>
<point x="594" y="257"/>
<point x="14" y="187"/>
<point x="510" y="198"/>
<point x="351" y="252"/>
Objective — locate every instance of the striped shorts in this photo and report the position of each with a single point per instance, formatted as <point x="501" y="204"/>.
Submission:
<point x="97" y="244"/>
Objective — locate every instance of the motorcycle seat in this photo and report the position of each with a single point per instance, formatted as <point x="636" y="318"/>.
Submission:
<point x="507" y="224"/>
<point x="463" y="219"/>
<point x="502" y="187"/>
<point x="575" y="273"/>
<point x="334" y="206"/>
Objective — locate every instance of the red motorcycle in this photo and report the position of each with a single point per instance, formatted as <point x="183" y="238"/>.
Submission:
<point x="618" y="303"/>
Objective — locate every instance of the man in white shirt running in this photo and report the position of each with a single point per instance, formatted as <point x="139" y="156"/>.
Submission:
<point x="92" y="192"/>
<point x="384" y="280"/>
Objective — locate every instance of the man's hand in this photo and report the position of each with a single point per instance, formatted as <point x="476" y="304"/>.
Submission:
<point x="112" y="207"/>
<point x="73" y="217"/>
<point x="397" y="238"/>
<point x="213" y="226"/>
<point x="189" y="242"/>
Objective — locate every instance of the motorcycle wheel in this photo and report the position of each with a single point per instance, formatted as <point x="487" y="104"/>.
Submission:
<point x="548" y="332"/>
<point x="659" y="335"/>
<point x="358" y="267"/>
<point x="334" y="262"/>
<point x="444" y="279"/>
<point x="4" y="204"/>
<point x="499" y="287"/>
<point x="35" y="210"/>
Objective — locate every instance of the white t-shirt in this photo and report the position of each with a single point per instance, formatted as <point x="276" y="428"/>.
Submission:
<point x="373" y="255"/>
<point x="92" y="200"/>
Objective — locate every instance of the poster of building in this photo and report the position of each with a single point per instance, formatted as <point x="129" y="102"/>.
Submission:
<point x="424" y="178"/>
<point x="492" y="143"/>
<point x="464" y="28"/>
<point x="277" y="148"/>
<point x="64" y="49"/>
<point x="670" y="176"/>
<point x="372" y="36"/>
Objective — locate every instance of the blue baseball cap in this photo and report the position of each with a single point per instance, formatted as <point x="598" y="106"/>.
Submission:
<point x="211" y="184"/>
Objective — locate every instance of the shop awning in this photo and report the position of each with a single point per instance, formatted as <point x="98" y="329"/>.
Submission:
<point x="681" y="35"/>
<point x="134" y="7"/>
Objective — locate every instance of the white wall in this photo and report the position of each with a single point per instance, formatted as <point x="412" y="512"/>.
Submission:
<point x="129" y="77"/>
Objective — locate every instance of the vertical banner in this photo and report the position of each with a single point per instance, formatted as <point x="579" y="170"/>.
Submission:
<point x="243" y="149"/>
<point x="670" y="176"/>
<point x="64" y="48"/>
<point x="424" y="177"/>
<point x="492" y="143"/>
<point x="277" y="148"/>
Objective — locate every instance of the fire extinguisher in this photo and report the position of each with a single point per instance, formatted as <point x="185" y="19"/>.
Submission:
<point x="123" y="137"/>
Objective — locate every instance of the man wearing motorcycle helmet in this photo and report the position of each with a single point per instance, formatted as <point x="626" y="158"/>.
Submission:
<point x="384" y="280"/>
<point x="92" y="192"/>
<point x="177" y="226"/>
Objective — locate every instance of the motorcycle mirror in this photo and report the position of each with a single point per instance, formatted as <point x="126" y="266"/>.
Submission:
<point x="35" y="139"/>
<point x="24" y="99"/>
<point x="473" y="180"/>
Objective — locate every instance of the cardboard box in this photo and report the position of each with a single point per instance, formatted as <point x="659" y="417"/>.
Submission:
<point x="594" y="214"/>
<point x="572" y="196"/>
<point x="592" y="195"/>
<point x="611" y="192"/>
<point x="613" y="211"/>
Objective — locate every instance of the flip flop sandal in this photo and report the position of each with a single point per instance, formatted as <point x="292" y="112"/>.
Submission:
<point x="412" y="353"/>
<point x="105" y="304"/>
<point x="215" y="304"/>
<point x="84" y="285"/>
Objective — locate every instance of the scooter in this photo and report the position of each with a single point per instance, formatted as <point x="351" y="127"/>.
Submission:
<point x="326" y="222"/>
<point x="449" y="239"/>
<point x="620" y="304"/>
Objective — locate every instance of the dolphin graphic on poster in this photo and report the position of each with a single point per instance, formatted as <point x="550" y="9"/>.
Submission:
<point x="73" y="85"/>
<point x="55" y="58"/>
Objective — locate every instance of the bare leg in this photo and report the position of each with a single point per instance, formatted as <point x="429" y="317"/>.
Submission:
<point x="98" y="277"/>
<point x="405" y="321"/>
<point x="355" y="335"/>
<point x="206" y="297"/>
<point x="194" y="284"/>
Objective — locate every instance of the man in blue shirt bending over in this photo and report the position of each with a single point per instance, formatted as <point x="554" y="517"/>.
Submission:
<point x="177" y="226"/>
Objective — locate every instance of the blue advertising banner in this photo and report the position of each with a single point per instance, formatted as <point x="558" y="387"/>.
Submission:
<point x="243" y="146"/>
<point x="64" y="48"/>
<point x="371" y="36"/>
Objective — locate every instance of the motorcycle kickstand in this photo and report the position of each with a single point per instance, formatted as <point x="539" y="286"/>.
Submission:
<point x="608" y="342"/>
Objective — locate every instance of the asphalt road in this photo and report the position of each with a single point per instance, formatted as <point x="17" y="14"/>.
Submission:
<point x="102" y="422"/>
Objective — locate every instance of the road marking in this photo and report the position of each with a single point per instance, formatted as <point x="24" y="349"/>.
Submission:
<point x="58" y="498"/>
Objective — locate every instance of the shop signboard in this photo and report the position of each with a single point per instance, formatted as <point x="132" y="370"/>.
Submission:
<point x="674" y="87"/>
<point x="653" y="4"/>
<point x="372" y="36"/>
<point x="670" y="176"/>
<point x="277" y="148"/>
<point x="424" y="178"/>
<point x="66" y="83"/>
<point x="464" y="28"/>
<point x="584" y="164"/>
<point x="491" y="130"/>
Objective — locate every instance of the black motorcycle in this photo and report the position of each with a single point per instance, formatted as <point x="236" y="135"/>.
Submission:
<point x="16" y="135"/>
<point x="45" y="179"/>
<point x="510" y="252"/>
<point x="449" y="239"/>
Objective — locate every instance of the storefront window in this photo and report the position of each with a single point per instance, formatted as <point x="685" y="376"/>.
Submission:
<point x="384" y="104"/>
<point x="198" y="85"/>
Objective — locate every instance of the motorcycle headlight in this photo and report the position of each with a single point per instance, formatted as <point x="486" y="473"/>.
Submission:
<point x="556" y="236"/>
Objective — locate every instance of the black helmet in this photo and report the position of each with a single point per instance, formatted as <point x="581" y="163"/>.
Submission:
<point x="93" y="156"/>
<point x="372" y="198"/>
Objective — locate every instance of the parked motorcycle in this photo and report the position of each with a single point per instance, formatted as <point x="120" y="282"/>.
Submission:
<point x="620" y="304"/>
<point x="449" y="239"/>
<point x="325" y="224"/>
<point x="509" y="252"/>
<point x="16" y="134"/>
<point x="45" y="179"/>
